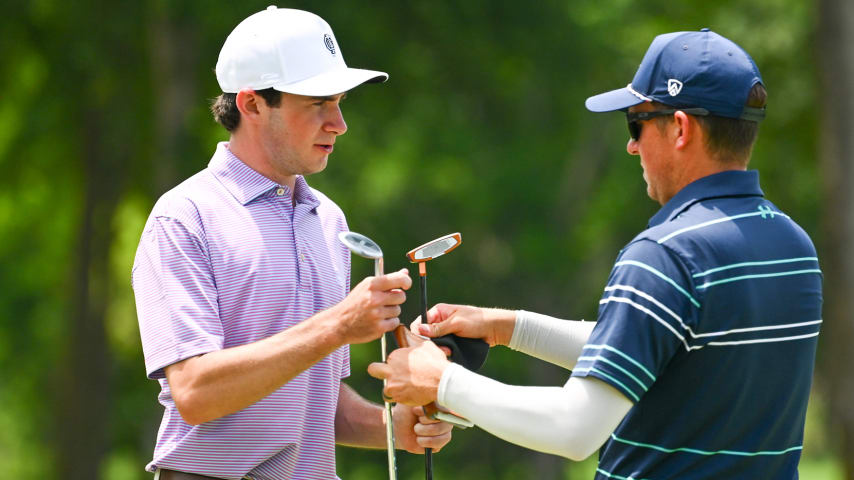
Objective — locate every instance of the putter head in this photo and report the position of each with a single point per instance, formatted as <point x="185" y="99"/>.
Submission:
<point x="468" y="352"/>
<point x="361" y="245"/>
<point x="435" y="248"/>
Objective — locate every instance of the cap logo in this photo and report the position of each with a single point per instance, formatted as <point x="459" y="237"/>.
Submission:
<point x="327" y="40"/>
<point x="674" y="87"/>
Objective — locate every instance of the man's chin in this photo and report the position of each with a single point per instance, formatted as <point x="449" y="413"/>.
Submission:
<point x="317" y="167"/>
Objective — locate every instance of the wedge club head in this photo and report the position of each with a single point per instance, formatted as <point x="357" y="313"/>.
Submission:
<point x="363" y="247"/>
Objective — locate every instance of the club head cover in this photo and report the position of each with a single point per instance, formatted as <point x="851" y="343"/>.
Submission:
<point x="469" y="352"/>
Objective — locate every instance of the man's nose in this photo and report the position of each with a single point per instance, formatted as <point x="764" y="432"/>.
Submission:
<point x="335" y="123"/>
<point x="632" y="146"/>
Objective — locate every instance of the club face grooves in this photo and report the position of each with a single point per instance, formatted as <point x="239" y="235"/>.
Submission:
<point x="360" y="245"/>
<point x="435" y="248"/>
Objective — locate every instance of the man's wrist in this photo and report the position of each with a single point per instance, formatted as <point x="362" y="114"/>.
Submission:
<point x="329" y="328"/>
<point x="442" y="368"/>
<point x="503" y="321"/>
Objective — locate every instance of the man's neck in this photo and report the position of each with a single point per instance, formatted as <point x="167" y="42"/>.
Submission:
<point x="248" y="150"/>
<point x="699" y="164"/>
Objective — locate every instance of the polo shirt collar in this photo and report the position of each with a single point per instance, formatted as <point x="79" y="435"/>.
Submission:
<point x="731" y="183"/>
<point x="245" y="184"/>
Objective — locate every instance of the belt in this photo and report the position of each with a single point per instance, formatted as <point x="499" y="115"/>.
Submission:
<point x="163" y="474"/>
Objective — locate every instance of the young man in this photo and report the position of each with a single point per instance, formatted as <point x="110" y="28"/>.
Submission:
<point x="242" y="285"/>
<point x="700" y="364"/>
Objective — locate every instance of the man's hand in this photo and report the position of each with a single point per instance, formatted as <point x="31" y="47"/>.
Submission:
<point x="492" y="325"/>
<point x="412" y="374"/>
<point x="372" y="307"/>
<point x="414" y="431"/>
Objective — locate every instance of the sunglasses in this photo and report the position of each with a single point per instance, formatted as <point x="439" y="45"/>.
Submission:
<point x="634" y="118"/>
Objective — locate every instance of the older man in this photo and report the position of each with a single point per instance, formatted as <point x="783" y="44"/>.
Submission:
<point x="700" y="364"/>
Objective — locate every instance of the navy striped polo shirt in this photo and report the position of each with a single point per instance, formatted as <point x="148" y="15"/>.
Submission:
<point x="709" y="324"/>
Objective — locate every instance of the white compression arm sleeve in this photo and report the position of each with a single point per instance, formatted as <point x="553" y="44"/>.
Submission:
<point x="572" y="421"/>
<point x="551" y="339"/>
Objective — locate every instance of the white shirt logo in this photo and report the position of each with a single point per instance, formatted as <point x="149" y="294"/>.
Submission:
<point x="674" y="87"/>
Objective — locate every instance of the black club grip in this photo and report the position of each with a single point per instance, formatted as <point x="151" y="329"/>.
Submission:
<point x="471" y="353"/>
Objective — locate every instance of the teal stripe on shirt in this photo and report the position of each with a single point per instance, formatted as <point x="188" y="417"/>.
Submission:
<point x="660" y="275"/>
<point x="614" y="364"/>
<point x="758" y="275"/>
<point x="761" y="213"/>
<point x="618" y="477"/>
<point x="755" y="264"/>
<point x="627" y="357"/>
<point x="706" y="452"/>
<point x="611" y="378"/>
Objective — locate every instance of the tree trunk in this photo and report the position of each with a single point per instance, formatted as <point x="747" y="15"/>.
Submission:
<point x="836" y="56"/>
<point x="83" y="401"/>
<point x="174" y="58"/>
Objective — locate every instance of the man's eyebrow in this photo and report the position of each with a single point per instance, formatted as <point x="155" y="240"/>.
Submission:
<point x="329" y="98"/>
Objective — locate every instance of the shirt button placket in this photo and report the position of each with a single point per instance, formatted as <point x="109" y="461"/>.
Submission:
<point x="287" y="209"/>
<point x="304" y="268"/>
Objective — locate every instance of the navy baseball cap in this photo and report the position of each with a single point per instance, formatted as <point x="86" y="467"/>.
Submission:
<point x="690" y="69"/>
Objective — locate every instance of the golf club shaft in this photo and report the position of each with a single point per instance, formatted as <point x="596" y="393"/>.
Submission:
<point x="428" y="452"/>
<point x="403" y="342"/>
<point x="389" y="422"/>
<point x="389" y="425"/>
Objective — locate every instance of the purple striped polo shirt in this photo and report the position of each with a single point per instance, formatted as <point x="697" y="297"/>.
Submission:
<point x="226" y="259"/>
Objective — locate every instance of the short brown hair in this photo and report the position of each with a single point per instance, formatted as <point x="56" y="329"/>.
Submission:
<point x="225" y="112"/>
<point x="730" y="140"/>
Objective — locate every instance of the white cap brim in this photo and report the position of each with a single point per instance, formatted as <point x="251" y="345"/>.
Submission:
<point x="332" y="82"/>
<point x="619" y="99"/>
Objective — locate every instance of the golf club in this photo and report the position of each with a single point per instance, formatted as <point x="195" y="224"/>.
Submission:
<point x="367" y="248"/>
<point x="468" y="352"/>
<point x="421" y="255"/>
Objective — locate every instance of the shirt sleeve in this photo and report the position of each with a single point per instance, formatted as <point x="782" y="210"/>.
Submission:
<point x="176" y="296"/>
<point x="644" y="315"/>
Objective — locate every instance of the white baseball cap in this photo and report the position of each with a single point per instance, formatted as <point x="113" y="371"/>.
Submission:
<point x="292" y="51"/>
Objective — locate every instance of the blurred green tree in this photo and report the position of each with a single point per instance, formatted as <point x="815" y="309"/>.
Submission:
<point x="481" y="129"/>
<point x="834" y="47"/>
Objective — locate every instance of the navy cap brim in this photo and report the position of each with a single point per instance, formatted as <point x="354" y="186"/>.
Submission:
<point x="619" y="99"/>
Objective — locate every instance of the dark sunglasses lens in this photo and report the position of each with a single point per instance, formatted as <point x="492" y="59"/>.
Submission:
<point x="634" y="130"/>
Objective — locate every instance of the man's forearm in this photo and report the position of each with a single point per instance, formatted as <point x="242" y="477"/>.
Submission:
<point x="210" y="386"/>
<point x="572" y="421"/>
<point x="222" y="382"/>
<point x="551" y="339"/>
<point x="358" y="422"/>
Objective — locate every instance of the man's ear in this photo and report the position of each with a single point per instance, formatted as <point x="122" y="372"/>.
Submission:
<point x="248" y="104"/>
<point x="685" y="129"/>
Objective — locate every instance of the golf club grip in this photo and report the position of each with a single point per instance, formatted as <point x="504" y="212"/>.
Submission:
<point x="402" y="342"/>
<point x="400" y="336"/>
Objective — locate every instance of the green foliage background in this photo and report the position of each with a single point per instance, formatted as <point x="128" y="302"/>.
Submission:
<point x="481" y="129"/>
